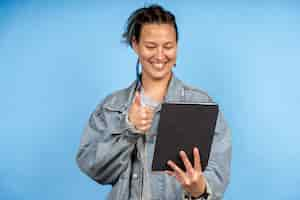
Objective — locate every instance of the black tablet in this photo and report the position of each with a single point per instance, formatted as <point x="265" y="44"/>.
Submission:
<point x="182" y="127"/>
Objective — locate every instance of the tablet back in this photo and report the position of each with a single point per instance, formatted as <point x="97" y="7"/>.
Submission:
<point x="182" y="127"/>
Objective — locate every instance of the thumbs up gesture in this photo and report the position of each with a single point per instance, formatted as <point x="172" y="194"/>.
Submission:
<point x="140" y="116"/>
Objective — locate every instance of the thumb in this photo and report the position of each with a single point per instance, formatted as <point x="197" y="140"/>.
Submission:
<point x="137" y="99"/>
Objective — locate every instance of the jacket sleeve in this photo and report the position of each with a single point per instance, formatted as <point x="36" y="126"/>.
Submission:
<point x="217" y="172"/>
<point x="106" y="146"/>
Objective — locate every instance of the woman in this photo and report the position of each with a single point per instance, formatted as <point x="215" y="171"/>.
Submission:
<point x="118" y="143"/>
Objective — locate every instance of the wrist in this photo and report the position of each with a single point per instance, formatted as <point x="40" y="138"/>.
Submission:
<point x="203" y="194"/>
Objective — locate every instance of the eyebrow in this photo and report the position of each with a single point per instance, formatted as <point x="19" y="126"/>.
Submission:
<point x="151" y="42"/>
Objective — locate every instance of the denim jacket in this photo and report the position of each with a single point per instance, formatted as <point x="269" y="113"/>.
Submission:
<point x="112" y="153"/>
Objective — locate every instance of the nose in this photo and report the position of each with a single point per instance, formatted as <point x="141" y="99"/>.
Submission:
<point x="160" y="55"/>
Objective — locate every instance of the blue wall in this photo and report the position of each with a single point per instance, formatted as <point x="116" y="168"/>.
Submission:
<point x="59" y="59"/>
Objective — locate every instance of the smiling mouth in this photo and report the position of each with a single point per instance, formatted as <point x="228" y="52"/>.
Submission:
<point x="158" y="65"/>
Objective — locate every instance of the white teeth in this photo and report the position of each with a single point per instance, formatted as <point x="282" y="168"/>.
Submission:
<point x="158" y="65"/>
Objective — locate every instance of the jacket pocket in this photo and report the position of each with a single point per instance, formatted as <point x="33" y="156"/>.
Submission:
<point x="115" y="120"/>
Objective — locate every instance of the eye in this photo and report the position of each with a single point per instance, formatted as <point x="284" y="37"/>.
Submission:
<point x="168" y="47"/>
<point x="150" y="47"/>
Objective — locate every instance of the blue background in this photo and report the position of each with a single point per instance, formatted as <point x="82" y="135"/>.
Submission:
<point x="59" y="59"/>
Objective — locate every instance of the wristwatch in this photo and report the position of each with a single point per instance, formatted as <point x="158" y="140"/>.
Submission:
<point x="203" y="195"/>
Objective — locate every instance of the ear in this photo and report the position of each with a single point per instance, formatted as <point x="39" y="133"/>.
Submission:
<point x="134" y="44"/>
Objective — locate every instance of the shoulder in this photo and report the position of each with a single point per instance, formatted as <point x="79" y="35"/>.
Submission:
<point x="117" y="100"/>
<point x="195" y="93"/>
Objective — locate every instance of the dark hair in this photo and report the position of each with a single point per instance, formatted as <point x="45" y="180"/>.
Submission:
<point x="153" y="14"/>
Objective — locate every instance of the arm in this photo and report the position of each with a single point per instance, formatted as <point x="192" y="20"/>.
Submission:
<point x="215" y="178"/>
<point x="106" y="146"/>
<point x="217" y="172"/>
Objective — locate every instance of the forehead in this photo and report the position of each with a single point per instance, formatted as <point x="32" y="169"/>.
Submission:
<point x="158" y="33"/>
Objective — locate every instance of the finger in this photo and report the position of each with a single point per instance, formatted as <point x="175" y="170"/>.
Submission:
<point x="177" y="170"/>
<point x="170" y="173"/>
<point x="186" y="162"/>
<point x="148" y="110"/>
<point x="197" y="161"/>
<point x="150" y="115"/>
<point x="147" y="117"/>
<point x="144" y="122"/>
<point x="176" y="176"/>
<point x="143" y="114"/>
<point x="137" y="99"/>
<point x="144" y="128"/>
<point x="146" y="113"/>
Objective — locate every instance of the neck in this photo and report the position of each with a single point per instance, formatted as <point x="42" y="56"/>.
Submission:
<point x="156" y="89"/>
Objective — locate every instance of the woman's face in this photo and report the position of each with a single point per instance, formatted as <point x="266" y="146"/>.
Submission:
<point x="156" y="50"/>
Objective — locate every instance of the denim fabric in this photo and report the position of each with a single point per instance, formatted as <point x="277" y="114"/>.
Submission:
<point x="111" y="152"/>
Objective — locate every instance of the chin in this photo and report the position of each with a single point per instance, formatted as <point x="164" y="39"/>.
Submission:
<point x="161" y="76"/>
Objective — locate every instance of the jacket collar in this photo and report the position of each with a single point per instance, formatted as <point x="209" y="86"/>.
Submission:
<point x="175" y="92"/>
<point x="123" y="99"/>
